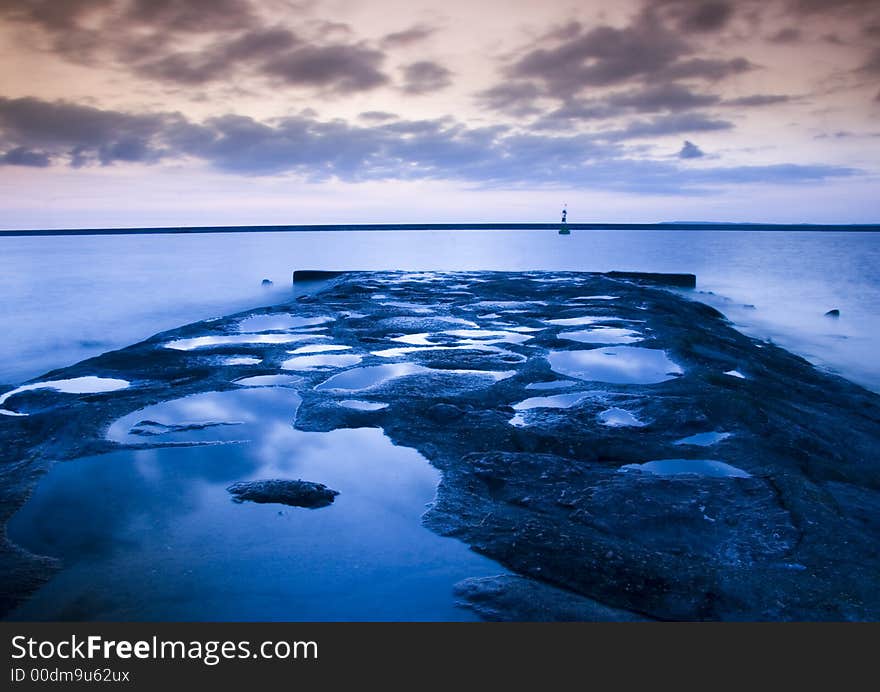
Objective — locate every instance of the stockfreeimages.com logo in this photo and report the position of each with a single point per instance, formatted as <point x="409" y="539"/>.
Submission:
<point x="208" y="652"/>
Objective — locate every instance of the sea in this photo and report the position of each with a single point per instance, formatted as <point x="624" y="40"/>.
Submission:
<point x="166" y="541"/>
<point x="69" y="298"/>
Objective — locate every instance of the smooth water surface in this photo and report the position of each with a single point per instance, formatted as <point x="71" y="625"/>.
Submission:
<point x="615" y="364"/>
<point x="153" y="534"/>
<point x="65" y="299"/>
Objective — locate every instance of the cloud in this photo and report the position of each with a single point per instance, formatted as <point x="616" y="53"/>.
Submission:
<point x="786" y="35"/>
<point x="756" y="100"/>
<point x="707" y="69"/>
<point x="516" y="98"/>
<point x="663" y="98"/>
<point x="407" y="37"/>
<point x="672" y="97"/>
<point x="693" y="16"/>
<point x="25" y="157"/>
<point x="198" y="42"/>
<point x="689" y="150"/>
<point x="83" y="134"/>
<point x="425" y="76"/>
<point x="191" y="16"/>
<point x="377" y="116"/>
<point x="670" y="125"/>
<point x="650" y="65"/>
<point x="601" y="56"/>
<point x="34" y="132"/>
<point x="341" y="68"/>
<point x="872" y="63"/>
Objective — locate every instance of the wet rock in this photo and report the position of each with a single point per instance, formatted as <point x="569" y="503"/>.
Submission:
<point x="298" y="493"/>
<point x="510" y="598"/>
<point x="443" y="413"/>
<point x="148" y="428"/>
<point x="266" y="282"/>
<point x="835" y="313"/>
<point x="547" y="500"/>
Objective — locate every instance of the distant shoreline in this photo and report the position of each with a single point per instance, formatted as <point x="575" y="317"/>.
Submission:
<point x="299" y="228"/>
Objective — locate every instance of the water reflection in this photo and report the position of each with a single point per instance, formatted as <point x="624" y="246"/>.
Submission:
<point x="153" y="534"/>
<point x="617" y="365"/>
<point x="709" y="468"/>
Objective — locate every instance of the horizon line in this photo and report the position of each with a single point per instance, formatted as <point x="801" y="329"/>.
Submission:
<point x="486" y="226"/>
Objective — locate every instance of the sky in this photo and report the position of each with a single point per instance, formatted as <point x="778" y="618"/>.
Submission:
<point x="227" y="112"/>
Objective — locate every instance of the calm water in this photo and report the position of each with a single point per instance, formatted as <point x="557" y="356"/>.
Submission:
<point x="154" y="535"/>
<point x="64" y="299"/>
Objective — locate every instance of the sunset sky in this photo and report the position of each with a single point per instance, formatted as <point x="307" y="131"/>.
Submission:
<point x="203" y="112"/>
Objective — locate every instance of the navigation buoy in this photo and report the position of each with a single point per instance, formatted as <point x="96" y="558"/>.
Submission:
<point x="564" y="230"/>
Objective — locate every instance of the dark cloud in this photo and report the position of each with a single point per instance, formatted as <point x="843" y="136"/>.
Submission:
<point x="787" y="35"/>
<point x="145" y="36"/>
<point x="662" y="98"/>
<point x="407" y="37"/>
<point x="707" y="69"/>
<point x="191" y="16"/>
<point x="82" y="133"/>
<point x="341" y="68"/>
<point x="689" y="150"/>
<point x="25" y="157"/>
<point x="653" y="55"/>
<point x="425" y="76"/>
<point x="840" y="134"/>
<point x="34" y="132"/>
<point x="671" y="97"/>
<point x="708" y="16"/>
<point x="872" y="64"/>
<point x="832" y="6"/>
<point x="516" y="98"/>
<point x="219" y="60"/>
<point x="53" y="14"/>
<point x="756" y="100"/>
<point x="695" y="16"/>
<point x="377" y="116"/>
<point x="600" y="56"/>
<point x="675" y="124"/>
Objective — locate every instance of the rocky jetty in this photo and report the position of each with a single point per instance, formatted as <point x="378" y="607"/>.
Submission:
<point x="555" y="405"/>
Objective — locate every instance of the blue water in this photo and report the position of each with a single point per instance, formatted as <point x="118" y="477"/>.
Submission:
<point x="152" y="534"/>
<point x="65" y="299"/>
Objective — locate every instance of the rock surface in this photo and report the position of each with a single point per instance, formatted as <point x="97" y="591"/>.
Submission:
<point x="508" y="598"/>
<point x="298" y="493"/>
<point x="548" y="498"/>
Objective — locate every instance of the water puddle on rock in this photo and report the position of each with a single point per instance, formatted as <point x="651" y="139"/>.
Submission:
<point x="705" y="439"/>
<point x="76" y="385"/>
<point x="555" y="384"/>
<point x="236" y="339"/>
<point x="556" y="401"/>
<point x="709" y="468"/>
<point x="270" y="381"/>
<point x="603" y="335"/>
<point x="615" y="365"/>
<point x="153" y="534"/>
<point x="615" y="417"/>
<point x="280" y="322"/>
<point x="321" y="360"/>
<point x="240" y="360"/>
<point x="319" y="348"/>
<point x="360" y="405"/>
<point x="373" y="376"/>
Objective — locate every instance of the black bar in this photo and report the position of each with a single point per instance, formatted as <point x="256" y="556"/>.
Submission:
<point x="861" y="228"/>
<point x="408" y="655"/>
